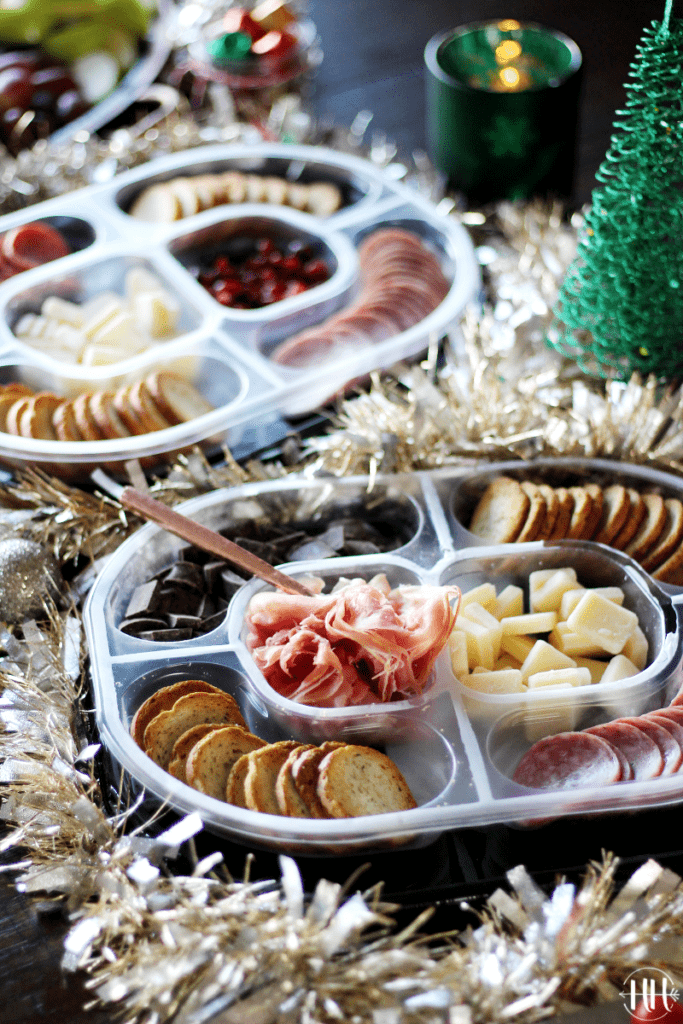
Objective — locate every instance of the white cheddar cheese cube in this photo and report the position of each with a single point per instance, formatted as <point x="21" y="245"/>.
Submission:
<point x="504" y="681"/>
<point x="635" y="648"/>
<point x="120" y="330"/>
<point x="457" y="647"/>
<point x="509" y="602"/>
<point x="534" y="622"/>
<point x="477" y="613"/>
<point x="559" y="677"/>
<point x="480" y="649"/>
<point x="95" y="320"/>
<point x="615" y="594"/>
<point x="507" y="661"/>
<point x="517" y="646"/>
<point x="484" y="594"/>
<point x="539" y="578"/>
<point x="594" y="666"/>
<point x="157" y="313"/>
<point x="543" y="658"/>
<point x="139" y="280"/>
<point x="548" y="596"/>
<point x="569" y="601"/>
<point x="70" y="339"/>
<point x="619" y="667"/>
<point x="547" y="718"/>
<point x="62" y="311"/>
<point x="100" y="355"/>
<point x="573" y="644"/>
<point x="602" y="622"/>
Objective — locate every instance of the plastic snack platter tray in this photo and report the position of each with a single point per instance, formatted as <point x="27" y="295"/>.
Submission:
<point x="457" y="748"/>
<point x="224" y="351"/>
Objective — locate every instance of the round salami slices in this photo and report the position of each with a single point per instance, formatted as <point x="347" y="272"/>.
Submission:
<point x="640" y="750"/>
<point x="569" y="760"/>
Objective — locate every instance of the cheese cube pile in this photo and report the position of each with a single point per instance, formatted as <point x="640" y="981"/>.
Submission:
<point x="570" y="636"/>
<point x="106" y="329"/>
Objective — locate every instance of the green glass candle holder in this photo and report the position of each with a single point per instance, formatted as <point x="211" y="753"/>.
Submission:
<point x="502" y="109"/>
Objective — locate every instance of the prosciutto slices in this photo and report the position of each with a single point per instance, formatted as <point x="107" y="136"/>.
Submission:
<point x="363" y="643"/>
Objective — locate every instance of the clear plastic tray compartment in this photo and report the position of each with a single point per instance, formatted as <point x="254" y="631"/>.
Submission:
<point x="235" y="235"/>
<point x="355" y="186"/>
<point x="551" y="709"/>
<point x="85" y="283"/>
<point x="368" y="723"/>
<point x="304" y="514"/>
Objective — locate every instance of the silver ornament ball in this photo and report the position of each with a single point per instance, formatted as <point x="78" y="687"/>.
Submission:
<point x="29" y="575"/>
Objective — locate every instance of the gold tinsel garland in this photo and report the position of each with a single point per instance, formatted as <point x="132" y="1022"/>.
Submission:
<point x="161" y="946"/>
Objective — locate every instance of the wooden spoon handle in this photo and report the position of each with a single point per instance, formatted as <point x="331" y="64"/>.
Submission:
<point x="208" y="540"/>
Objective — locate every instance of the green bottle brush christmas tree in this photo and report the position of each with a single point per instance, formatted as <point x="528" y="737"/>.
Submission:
<point x="620" y="307"/>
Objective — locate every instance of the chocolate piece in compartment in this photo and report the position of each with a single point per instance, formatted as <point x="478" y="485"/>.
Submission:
<point x="145" y="599"/>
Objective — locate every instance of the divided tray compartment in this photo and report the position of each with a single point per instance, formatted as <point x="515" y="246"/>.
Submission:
<point x="457" y="748"/>
<point x="106" y="239"/>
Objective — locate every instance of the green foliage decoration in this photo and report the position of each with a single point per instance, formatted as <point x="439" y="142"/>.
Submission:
<point x="620" y="306"/>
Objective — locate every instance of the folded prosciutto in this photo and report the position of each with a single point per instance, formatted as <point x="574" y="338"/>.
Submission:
<point x="361" y="644"/>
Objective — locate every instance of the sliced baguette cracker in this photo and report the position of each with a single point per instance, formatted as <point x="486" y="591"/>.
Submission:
<point x="211" y="759"/>
<point x="184" y="744"/>
<point x="234" y="789"/>
<point x="501" y="512"/>
<point x="64" y="423"/>
<point x="305" y="776"/>
<point x="595" y="515"/>
<point x="103" y="411"/>
<point x="650" y="529"/>
<point x="163" y="700"/>
<point x="670" y="537"/>
<point x="36" y="419"/>
<point x="552" y="510"/>
<point x="581" y="513"/>
<point x="264" y="765"/>
<point x="354" y="781"/>
<point x="176" y="398"/>
<point x="193" y="709"/>
<point x="85" y="421"/>
<point x="531" y="530"/>
<point x="615" y="509"/>
<point x="636" y="514"/>
<point x="289" y="801"/>
<point x="564" y="515"/>
<point x="157" y="204"/>
<point x="14" y="414"/>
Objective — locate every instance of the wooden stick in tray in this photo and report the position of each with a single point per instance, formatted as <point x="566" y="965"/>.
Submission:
<point x="155" y="511"/>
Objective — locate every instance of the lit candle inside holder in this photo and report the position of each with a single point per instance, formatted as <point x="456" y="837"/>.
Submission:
<point x="502" y="104"/>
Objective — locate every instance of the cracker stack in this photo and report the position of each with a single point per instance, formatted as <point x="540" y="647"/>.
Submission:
<point x="196" y="732"/>
<point x="645" y="525"/>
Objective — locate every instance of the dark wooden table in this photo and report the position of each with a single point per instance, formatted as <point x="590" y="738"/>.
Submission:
<point x="373" y="61"/>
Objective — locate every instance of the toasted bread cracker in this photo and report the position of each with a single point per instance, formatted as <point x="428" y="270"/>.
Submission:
<point x="234" y="789"/>
<point x="264" y="765"/>
<point x="531" y="529"/>
<point x="501" y="512"/>
<point x="354" y="781"/>
<point x="650" y="529"/>
<point x="595" y="515"/>
<point x="305" y="776"/>
<point x="670" y="537"/>
<point x="636" y="514"/>
<point x="163" y="700"/>
<point x="210" y="760"/>
<point x="615" y="509"/>
<point x="564" y="515"/>
<point x="287" y="795"/>
<point x="581" y="513"/>
<point x="184" y="744"/>
<point x="552" y="510"/>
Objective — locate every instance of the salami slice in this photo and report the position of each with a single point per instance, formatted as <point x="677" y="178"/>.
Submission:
<point x="569" y="760"/>
<point x="678" y="700"/>
<point x="668" y="747"/>
<point x="640" y="750"/>
<point x="673" y="726"/>
<point x="626" y="770"/>
<point x="676" y="714"/>
<point x="31" y="245"/>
